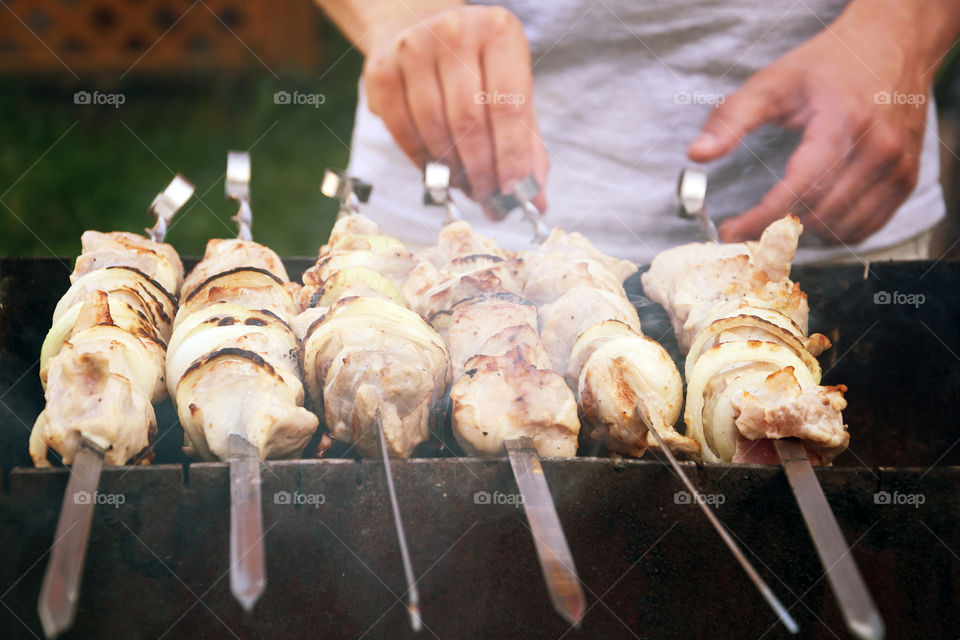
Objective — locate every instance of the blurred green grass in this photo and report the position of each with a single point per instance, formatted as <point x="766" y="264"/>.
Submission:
<point x="65" y="167"/>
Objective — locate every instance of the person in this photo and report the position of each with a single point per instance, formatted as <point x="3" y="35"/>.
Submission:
<point x="822" y="108"/>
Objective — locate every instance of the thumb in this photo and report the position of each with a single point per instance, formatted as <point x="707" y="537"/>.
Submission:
<point x="756" y="103"/>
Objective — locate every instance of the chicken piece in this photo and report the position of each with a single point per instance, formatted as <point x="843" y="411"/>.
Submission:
<point x="100" y="385"/>
<point x="231" y="254"/>
<point x="137" y="303"/>
<point x="503" y="397"/>
<point x="228" y="325"/>
<point x="349" y="227"/>
<point x="458" y="240"/>
<point x="475" y="322"/>
<point x="691" y="280"/>
<point x="566" y="261"/>
<point x="350" y="282"/>
<point x="627" y="385"/>
<point x="158" y="261"/>
<point x="575" y="311"/>
<point x="368" y="354"/>
<point x="781" y="409"/>
<point x="429" y="289"/>
<point x="554" y="277"/>
<point x="357" y="261"/>
<point x="521" y="339"/>
<point x="392" y="263"/>
<point x="248" y="286"/>
<point x="589" y="341"/>
<point x="572" y="247"/>
<point x="357" y="232"/>
<point x="232" y="390"/>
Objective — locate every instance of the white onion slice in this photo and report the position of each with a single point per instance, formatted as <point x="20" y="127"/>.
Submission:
<point x="726" y="355"/>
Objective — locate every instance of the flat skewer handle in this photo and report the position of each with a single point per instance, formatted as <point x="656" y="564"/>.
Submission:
<point x="856" y="604"/>
<point x="248" y="571"/>
<point x="166" y="204"/>
<point x="553" y="552"/>
<point x="61" y="582"/>
<point x="237" y="187"/>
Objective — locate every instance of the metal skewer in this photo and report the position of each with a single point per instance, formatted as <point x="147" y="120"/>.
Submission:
<point x="350" y="191"/>
<point x="523" y="194"/>
<point x="248" y="571"/>
<point x="692" y="195"/>
<point x="166" y="204"/>
<point x="60" y="591"/>
<point x="553" y="552"/>
<point x="436" y="190"/>
<point x="413" y="596"/>
<point x="859" y="611"/>
<point x="237" y="187"/>
<point x="745" y="563"/>
<point x="61" y="582"/>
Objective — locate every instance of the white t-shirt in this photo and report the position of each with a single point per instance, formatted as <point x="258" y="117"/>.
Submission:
<point x="621" y="89"/>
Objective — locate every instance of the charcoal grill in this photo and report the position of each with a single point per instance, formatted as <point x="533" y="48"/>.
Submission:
<point x="651" y="565"/>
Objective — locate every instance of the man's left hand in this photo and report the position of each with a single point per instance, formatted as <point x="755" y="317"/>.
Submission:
<point x="859" y="91"/>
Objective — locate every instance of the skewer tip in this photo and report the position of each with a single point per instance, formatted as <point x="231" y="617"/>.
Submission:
<point x="573" y="610"/>
<point x="248" y="597"/>
<point x="790" y="623"/>
<point x="872" y="629"/>
<point x="416" y="622"/>
<point x="54" y="625"/>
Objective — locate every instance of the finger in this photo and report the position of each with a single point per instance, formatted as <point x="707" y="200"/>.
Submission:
<point x="760" y="100"/>
<point x="870" y="213"/>
<point x="462" y="85"/>
<point x="424" y="98"/>
<point x="384" y="82"/>
<point x="508" y="86"/>
<point x="806" y="178"/>
<point x="861" y="177"/>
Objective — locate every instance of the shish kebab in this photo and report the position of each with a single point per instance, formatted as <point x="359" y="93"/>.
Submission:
<point x="234" y="376"/>
<point x="101" y="365"/>
<point x="628" y="388"/>
<point x="753" y="381"/>
<point x="504" y="395"/>
<point x="374" y="368"/>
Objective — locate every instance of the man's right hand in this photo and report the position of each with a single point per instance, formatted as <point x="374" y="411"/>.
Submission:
<point x="456" y="86"/>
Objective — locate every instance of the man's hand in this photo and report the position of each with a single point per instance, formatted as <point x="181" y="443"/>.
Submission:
<point x="858" y="90"/>
<point x="455" y="85"/>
